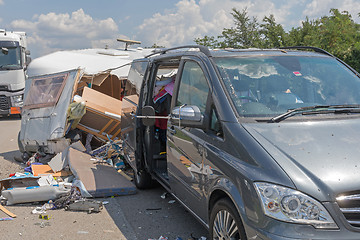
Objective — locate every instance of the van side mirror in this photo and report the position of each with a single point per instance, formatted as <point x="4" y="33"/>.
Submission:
<point x="187" y="116"/>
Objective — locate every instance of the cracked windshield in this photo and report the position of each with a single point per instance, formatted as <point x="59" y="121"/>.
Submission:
<point x="271" y="85"/>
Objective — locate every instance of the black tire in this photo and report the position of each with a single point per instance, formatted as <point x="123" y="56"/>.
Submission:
<point x="225" y="222"/>
<point x="21" y="147"/>
<point x="142" y="179"/>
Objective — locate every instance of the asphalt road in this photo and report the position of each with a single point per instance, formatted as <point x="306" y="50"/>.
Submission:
<point x="145" y="215"/>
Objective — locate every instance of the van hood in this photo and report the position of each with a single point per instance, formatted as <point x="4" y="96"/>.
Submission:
<point x="322" y="158"/>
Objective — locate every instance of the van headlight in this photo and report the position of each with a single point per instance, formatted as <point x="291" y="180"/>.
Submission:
<point x="289" y="205"/>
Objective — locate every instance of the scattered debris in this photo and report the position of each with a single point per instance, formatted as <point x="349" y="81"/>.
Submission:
<point x="42" y="224"/>
<point x="160" y="238"/>
<point x="67" y="199"/>
<point x="98" y="180"/>
<point x="85" y="205"/>
<point x="196" y="238"/>
<point x="164" y="195"/>
<point x="39" y="170"/>
<point x="38" y="210"/>
<point x="34" y="193"/>
<point x="19" y="180"/>
<point x="44" y="216"/>
<point x="153" y="209"/>
<point x="2" y="208"/>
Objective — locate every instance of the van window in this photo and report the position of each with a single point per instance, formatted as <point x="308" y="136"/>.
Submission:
<point x="193" y="88"/>
<point x="135" y="78"/>
<point x="215" y="124"/>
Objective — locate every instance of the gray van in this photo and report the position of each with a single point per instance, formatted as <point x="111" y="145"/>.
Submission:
<point x="256" y="144"/>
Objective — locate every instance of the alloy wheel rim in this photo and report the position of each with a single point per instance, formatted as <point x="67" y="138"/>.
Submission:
<point x="225" y="227"/>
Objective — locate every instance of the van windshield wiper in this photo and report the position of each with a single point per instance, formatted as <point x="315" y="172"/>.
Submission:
<point x="317" y="109"/>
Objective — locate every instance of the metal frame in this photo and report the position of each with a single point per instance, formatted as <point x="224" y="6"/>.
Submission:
<point x="202" y="49"/>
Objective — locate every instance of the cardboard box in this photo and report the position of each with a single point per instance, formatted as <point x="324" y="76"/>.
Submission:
<point x="103" y="114"/>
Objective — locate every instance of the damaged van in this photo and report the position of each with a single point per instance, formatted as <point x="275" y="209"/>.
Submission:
<point x="255" y="143"/>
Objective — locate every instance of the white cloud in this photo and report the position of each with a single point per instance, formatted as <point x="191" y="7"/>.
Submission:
<point x="175" y="27"/>
<point x="52" y="31"/>
<point x="319" y="8"/>
<point x="190" y="19"/>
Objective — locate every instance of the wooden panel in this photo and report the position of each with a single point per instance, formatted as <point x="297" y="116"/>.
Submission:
<point x="101" y="102"/>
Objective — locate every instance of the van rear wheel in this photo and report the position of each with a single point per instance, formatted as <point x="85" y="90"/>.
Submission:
<point x="142" y="179"/>
<point x="225" y="222"/>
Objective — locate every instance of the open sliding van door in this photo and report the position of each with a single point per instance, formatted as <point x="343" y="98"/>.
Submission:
<point x="132" y="104"/>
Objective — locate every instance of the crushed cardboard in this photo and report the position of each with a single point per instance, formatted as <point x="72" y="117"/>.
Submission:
<point x="39" y="170"/>
<point x="102" y="115"/>
<point x="21" y="181"/>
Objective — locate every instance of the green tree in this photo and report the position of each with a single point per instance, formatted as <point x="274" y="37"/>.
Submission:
<point x="245" y="34"/>
<point x="272" y="34"/>
<point x="207" y="41"/>
<point x="306" y="35"/>
<point x="336" y="33"/>
<point x="157" y="46"/>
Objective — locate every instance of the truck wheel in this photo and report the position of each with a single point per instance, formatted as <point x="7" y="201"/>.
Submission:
<point x="225" y="222"/>
<point x="142" y="179"/>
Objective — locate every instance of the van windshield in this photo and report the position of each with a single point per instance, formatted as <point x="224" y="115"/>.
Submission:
<point x="270" y="85"/>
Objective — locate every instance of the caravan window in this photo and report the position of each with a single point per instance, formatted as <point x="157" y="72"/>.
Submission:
<point x="45" y="91"/>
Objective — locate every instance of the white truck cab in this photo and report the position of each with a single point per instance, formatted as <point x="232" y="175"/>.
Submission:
<point x="14" y="59"/>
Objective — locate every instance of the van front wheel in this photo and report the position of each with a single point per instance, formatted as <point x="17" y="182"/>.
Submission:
<point x="142" y="179"/>
<point x="225" y="222"/>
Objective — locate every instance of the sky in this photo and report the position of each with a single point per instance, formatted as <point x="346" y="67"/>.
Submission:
<point x="53" y="25"/>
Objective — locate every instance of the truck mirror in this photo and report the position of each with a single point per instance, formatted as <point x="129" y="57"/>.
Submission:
<point x="148" y="113"/>
<point x="27" y="60"/>
<point x="27" y="52"/>
<point x="4" y="50"/>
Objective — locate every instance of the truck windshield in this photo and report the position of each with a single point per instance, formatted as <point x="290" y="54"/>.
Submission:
<point x="10" y="56"/>
<point x="271" y="85"/>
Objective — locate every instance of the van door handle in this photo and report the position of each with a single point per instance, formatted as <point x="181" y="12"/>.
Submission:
<point x="172" y="130"/>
